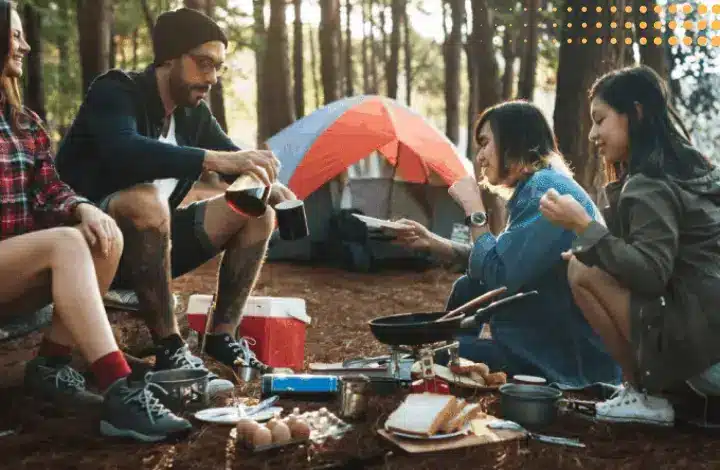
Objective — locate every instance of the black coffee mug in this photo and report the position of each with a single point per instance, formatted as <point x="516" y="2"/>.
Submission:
<point x="291" y="220"/>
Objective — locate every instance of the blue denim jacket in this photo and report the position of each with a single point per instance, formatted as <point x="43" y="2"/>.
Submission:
<point x="550" y="332"/>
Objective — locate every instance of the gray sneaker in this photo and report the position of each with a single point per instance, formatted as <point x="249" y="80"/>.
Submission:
<point x="132" y="409"/>
<point x="58" y="382"/>
<point x="182" y="358"/>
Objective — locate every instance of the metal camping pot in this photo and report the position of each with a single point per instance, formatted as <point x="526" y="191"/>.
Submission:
<point x="532" y="406"/>
<point x="354" y="390"/>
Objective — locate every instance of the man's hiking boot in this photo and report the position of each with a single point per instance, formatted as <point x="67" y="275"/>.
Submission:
<point x="132" y="409"/>
<point x="56" y="381"/>
<point x="181" y="358"/>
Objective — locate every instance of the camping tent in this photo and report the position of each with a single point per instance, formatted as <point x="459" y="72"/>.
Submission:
<point x="367" y="154"/>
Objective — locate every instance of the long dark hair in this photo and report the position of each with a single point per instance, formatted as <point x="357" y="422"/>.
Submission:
<point x="656" y="137"/>
<point x="522" y="137"/>
<point x="9" y="86"/>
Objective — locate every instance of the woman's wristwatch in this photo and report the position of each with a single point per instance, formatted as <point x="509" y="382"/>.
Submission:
<point x="476" y="219"/>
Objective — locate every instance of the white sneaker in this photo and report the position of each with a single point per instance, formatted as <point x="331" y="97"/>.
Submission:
<point x="628" y="405"/>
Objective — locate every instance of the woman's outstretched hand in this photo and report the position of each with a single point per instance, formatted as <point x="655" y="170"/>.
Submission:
<point x="412" y="235"/>
<point x="564" y="211"/>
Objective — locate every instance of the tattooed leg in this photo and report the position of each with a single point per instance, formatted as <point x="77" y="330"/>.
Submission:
<point x="144" y="219"/>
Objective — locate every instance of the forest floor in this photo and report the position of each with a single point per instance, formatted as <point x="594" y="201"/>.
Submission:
<point x="340" y="303"/>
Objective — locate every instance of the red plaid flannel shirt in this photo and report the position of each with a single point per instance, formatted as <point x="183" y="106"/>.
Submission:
<point x="32" y="197"/>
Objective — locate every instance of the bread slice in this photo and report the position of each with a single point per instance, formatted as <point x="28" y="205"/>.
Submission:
<point x="421" y="414"/>
<point x="468" y="413"/>
<point x="459" y="406"/>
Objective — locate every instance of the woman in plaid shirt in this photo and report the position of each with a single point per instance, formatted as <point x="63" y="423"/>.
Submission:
<point x="44" y="259"/>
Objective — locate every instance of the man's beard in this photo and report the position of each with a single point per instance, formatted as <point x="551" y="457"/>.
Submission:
<point x="182" y="91"/>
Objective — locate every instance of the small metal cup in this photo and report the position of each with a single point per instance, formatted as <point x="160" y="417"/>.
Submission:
<point x="354" y="391"/>
<point x="247" y="373"/>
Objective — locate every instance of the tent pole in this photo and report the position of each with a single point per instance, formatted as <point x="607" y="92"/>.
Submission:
<point x="392" y="184"/>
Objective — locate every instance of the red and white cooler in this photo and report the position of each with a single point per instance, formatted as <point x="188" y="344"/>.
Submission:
<point x="275" y="327"/>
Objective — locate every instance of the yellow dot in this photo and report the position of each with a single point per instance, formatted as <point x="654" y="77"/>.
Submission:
<point x="702" y="9"/>
<point x="628" y="25"/>
<point x="687" y="9"/>
<point x="555" y="42"/>
<point x="643" y="25"/>
<point x="716" y="25"/>
<point x="657" y="41"/>
<point x="657" y="25"/>
<point x="584" y="40"/>
<point x="673" y="41"/>
<point x="643" y="9"/>
<point x="555" y="11"/>
<point x="687" y="40"/>
<point x="688" y="25"/>
<point x="598" y="9"/>
<point x="715" y="41"/>
<point x="569" y="8"/>
<point x="584" y="25"/>
<point x="598" y="25"/>
<point x="702" y="25"/>
<point x="613" y="40"/>
<point x="598" y="41"/>
<point x="554" y="25"/>
<point x="657" y="9"/>
<point x="569" y="41"/>
<point x="583" y="9"/>
<point x="716" y="9"/>
<point x="628" y="9"/>
<point x="613" y="25"/>
<point x="613" y="9"/>
<point x="672" y="9"/>
<point x="702" y="40"/>
<point x="628" y="41"/>
<point x="569" y="25"/>
<point x="672" y="24"/>
<point x="643" y="41"/>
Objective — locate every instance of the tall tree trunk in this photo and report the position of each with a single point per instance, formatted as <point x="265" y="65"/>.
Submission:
<point x="472" y="75"/>
<point x="509" y="49"/>
<point x="408" y="57"/>
<point x="279" y="110"/>
<point x="112" y="39"/>
<point x="148" y="15"/>
<point x="314" y="68"/>
<point x="396" y="8"/>
<point x="298" y="63"/>
<point x="217" y="94"/>
<point x="651" y="54"/>
<point x="93" y="18"/>
<point x="340" y="52"/>
<point x="349" y="69"/>
<point x="580" y="64"/>
<point x="364" y="46"/>
<point x="528" y="62"/>
<point x="34" y="91"/>
<point x="383" y="7"/>
<point x="135" y="45"/>
<point x="328" y="36"/>
<point x="375" y="86"/>
<point x="453" y="51"/>
<point x="123" y="53"/>
<point x="487" y="93"/>
<point x="260" y="43"/>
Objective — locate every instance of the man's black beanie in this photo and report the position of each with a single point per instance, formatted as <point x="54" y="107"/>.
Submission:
<point x="179" y="31"/>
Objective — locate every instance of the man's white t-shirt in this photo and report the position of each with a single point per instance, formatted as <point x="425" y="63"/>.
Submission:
<point x="167" y="186"/>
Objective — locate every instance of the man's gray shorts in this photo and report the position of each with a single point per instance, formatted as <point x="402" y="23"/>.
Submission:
<point x="190" y="243"/>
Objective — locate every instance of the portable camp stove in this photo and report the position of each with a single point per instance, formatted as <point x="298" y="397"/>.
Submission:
<point x="394" y="369"/>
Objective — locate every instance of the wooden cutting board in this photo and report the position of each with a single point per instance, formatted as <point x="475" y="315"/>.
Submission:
<point x="481" y="435"/>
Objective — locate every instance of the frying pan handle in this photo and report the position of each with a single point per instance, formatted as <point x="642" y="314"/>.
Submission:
<point x="484" y="314"/>
<point x="473" y="304"/>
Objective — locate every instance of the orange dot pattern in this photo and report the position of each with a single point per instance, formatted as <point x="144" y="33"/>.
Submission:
<point x="670" y="17"/>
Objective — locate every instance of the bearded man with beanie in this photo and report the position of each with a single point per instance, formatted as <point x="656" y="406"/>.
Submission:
<point x="139" y="142"/>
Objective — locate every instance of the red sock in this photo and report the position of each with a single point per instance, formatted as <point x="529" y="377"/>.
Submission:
<point x="109" y="368"/>
<point x="51" y="349"/>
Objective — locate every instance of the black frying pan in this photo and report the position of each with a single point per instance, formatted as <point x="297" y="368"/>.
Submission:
<point x="411" y="329"/>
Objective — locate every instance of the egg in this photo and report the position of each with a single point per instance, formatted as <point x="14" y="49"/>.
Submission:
<point x="272" y="423"/>
<point x="323" y="411"/>
<point x="290" y="420"/>
<point x="281" y="433"/>
<point x="262" y="437"/>
<point x="245" y="428"/>
<point x="300" y="430"/>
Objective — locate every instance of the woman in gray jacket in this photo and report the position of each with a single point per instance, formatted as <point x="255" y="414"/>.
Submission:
<point x="649" y="282"/>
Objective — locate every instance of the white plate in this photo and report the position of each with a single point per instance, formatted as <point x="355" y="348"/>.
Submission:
<point x="372" y="222"/>
<point x="229" y="415"/>
<point x="434" y="437"/>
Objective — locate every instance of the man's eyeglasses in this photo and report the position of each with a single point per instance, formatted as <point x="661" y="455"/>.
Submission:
<point x="206" y="64"/>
